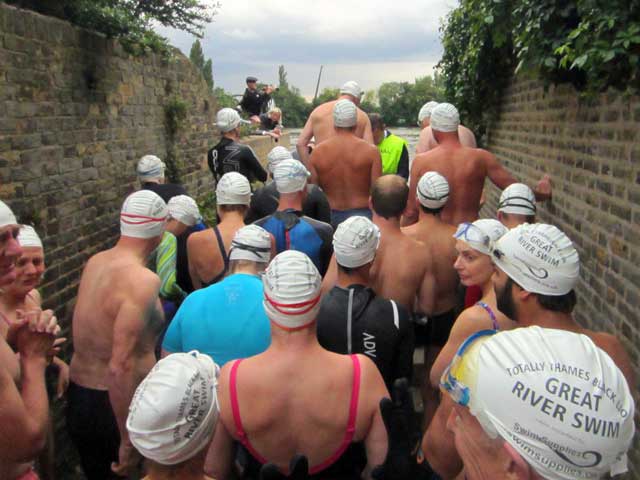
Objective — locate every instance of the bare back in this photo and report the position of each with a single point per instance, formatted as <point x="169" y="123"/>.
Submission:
<point x="203" y="251"/>
<point x="427" y="141"/>
<point x="399" y="270"/>
<point x="438" y="238"/>
<point x="345" y="167"/>
<point x="112" y="282"/>
<point x="465" y="169"/>
<point x="314" y="388"/>
<point x="321" y="123"/>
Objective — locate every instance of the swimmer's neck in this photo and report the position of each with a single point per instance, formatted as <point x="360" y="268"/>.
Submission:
<point x="488" y="293"/>
<point x="359" y="276"/>
<point x="231" y="218"/>
<point x="387" y="225"/>
<point x="429" y="218"/>
<point x="447" y="139"/>
<point x="293" y="340"/>
<point x="290" y="201"/>
<point x="548" y="319"/>
<point x="141" y="248"/>
<point x="233" y="135"/>
<point x="190" y="470"/>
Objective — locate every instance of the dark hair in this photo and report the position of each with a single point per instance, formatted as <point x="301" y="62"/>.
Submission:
<point x="377" y="123"/>
<point x="389" y="196"/>
<point x="558" y="303"/>
<point x="347" y="270"/>
<point x="431" y="211"/>
<point x="233" y="208"/>
<point x="527" y="218"/>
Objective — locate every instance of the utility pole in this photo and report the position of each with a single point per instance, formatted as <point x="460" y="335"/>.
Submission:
<point x="317" y="84"/>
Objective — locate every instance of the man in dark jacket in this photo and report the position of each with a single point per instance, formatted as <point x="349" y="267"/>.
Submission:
<point x="254" y="100"/>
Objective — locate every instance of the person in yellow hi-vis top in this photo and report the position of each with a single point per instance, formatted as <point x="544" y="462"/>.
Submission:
<point x="393" y="149"/>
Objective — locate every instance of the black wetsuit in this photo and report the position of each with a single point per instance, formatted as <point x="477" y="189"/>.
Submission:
<point x="230" y="156"/>
<point x="253" y="101"/>
<point x="376" y="331"/>
<point x="265" y="201"/>
<point x="166" y="190"/>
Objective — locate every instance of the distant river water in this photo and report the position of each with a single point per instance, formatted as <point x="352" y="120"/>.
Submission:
<point x="409" y="134"/>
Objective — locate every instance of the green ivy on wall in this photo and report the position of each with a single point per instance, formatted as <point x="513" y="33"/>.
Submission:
<point x="590" y="44"/>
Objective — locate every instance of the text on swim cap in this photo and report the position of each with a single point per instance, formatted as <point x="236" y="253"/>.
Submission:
<point x="541" y="249"/>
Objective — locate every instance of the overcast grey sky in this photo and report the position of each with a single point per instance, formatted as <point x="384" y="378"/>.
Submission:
<point x="370" y="41"/>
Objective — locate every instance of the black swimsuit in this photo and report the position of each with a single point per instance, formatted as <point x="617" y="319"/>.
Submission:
<point x="225" y="259"/>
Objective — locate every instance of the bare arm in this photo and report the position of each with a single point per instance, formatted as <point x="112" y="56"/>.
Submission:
<point x="373" y="390"/>
<point x="331" y="277"/>
<point x="423" y="141"/>
<point x="303" y="140"/>
<point x="219" y="458"/>
<point x="499" y="175"/>
<point x="131" y="325"/>
<point x="367" y="135"/>
<point x="376" y="166"/>
<point x="310" y="163"/>
<point x="410" y="215"/>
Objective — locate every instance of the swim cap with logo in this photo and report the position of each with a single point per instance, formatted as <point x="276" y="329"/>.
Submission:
<point x="539" y="258"/>
<point x="445" y="118"/>
<point x="251" y="243"/>
<point x="150" y="167"/>
<point x="345" y="114"/>
<point x="184" y="209"/>
<point x="432" y="190"/>
<point x="481" y="234"/>
<point x="174" y="410"/>
<point x="290" y="176"/>
<point x="425" y="111"/>
<point x="276" y="155"/>
<point x="233" y="189"/>
<point x="143" y="215"/>
<point x="356" y="241"/>
<point x="518" y="199"/>
<point x="28" y="237"/>
<point x="228" y="119"/>
<point x="553" y="395"/>
<point x="291" y="290"/>
<point x="351" y="88"/>
<point x="6" y="215"/>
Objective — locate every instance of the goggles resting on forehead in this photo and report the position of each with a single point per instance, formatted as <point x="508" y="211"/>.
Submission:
<point x="471" y="234"/>
<point x="450" y="381"/>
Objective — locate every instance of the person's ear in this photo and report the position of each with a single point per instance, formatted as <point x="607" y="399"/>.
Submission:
<point x="370" y="204"/>
<point x="520" y="293"/>
<point x="516" y="468"/>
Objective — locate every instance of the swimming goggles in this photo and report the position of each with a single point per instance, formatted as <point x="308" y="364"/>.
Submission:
<point x="474" y="236"/>
<point x="450" y="381"/>
<point x="509" y="202"/>
<point x="257" y="251"/>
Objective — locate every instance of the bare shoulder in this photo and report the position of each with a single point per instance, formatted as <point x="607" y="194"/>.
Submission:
<point x="411" y="231"/>
<point x="198" y="238"/>
<point x="614" y="348"/>
<point x="470" y="321"/>
<point x="142" y="283"/>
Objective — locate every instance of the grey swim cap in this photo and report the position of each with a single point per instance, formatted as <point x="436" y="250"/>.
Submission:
<point x="445" y="118"/>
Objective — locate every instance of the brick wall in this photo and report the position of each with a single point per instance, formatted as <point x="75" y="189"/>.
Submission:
<point x="591" y="149"/>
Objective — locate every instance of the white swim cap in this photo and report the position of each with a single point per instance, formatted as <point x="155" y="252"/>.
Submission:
<point x="445" y="118"/>
<point x="553" y="395"/>
<point x="481" y="234"/>
<point x="356" y="241"/>
<point x="519" y="199"/>
<point x="143" y="215"/>
<point x="425" y="111"/>
<point x="291" y="290"/>
<point x="251" y="243"/>
<point x="276" y="155"/>
<point x="345" y="114"/>
<point x="228" y="119"/>
<point x="174" y="411"/>
<point x="184" y="209"/>
<point x="432" y="190"/>
<point x="28" y="237"/>
<point x="233" y="189"/>
<point x="351" y="88"/>
<point x="290" y="176"/>
<point x="6" y="215"/>
<point x="150" y="167"/>
<point x="539" y="258"/>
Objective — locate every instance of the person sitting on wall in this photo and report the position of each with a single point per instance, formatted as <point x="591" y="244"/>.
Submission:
<point x="270" y="123"/>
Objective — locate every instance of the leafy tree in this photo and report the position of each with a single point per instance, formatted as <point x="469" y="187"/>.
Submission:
<point x="282" y="77"/>
<point x="196" y="55"/>
<point x="401" y="101"/>
<point x="224" y="99"/>
<point x="326" y="95"/>
<point x="295" y="109"/>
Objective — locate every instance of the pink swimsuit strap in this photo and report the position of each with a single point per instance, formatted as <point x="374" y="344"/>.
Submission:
<point x="351" y="424"/>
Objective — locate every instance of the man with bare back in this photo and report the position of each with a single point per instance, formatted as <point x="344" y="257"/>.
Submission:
<point x="23" y="394"/>
<point x="536" y="271"/>
<point x="208" y="250"/>
<point x="345" y="166"/>
<point x="427" y="141"/>
<point x="116" y="321"/>
<point x="464" y="168"/>
<point x="320" y="124"/>
<point x="403" y="270"/>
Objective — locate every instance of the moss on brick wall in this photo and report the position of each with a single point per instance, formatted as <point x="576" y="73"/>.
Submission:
<point x="592" y="152"/>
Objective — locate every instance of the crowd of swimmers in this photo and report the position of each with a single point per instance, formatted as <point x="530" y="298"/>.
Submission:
<point x="279" y="342"/>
